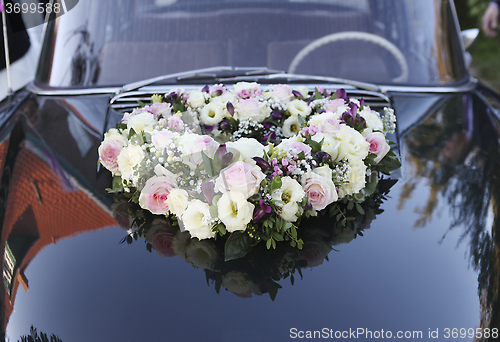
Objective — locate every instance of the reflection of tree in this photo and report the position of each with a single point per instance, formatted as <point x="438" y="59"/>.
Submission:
<point x="35" y="337"/>
<point x="458" y="155"/>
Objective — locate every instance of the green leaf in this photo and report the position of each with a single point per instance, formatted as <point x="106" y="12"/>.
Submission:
<point x="276" y="184"/>
<point x="302" y="121"/>
<point x="350" y="205"/>
<point x="268" y="243"/>
<point x="218" y="283"/>
<point x="209" y="165"/>
<point x="360" y="209"/>
<point x="237" y="246"/>
<point x="141" y="103"/>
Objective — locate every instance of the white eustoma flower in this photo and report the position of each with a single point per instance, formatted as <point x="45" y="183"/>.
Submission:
<point x="197" y="220"/>
<point x="202" y="254"/>
<point x="289" y="194"/>
<point x="197" y="99"/>
<point x="212" y="113"/>
<point x="291" y="126"/>
<point x="234" y="210"/>
<point x="299" y="107"/>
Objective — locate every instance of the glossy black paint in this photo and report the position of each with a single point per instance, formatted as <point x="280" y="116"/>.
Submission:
<point x="430" y="261"/>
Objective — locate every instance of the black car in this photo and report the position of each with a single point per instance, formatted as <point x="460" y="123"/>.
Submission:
<point x="422" y="262"/>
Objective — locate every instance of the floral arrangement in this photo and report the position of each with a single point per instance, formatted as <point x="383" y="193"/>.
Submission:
<point x="249" y="164"/>
<point x="261" y="270"/>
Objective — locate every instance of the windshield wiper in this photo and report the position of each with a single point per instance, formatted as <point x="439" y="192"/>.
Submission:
<point x="213" y="74"/>
<point x="235" y="74"/>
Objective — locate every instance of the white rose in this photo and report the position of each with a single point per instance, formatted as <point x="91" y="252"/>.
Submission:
<point x="239" y="284"/>
<point x="252" y="109"/>
<point x="291" y="126"/>
<point x="202" y="254"/>
<point x="281" y="92"/>
<point x="141" y="122"/>
<point x="249" y="87"/>
<point x="303" y="90"/>
<point x="177" y="201"/>
<point x="128" y="158"/>
<point x="372" y="119"/>
<point x="197" y="99"/>
<point x="197" y="220"/>
<point x="358" y="147"/>
<point x="356" y="179"/>
<point x="331" y="145"/>
<point x="234" y="210"/>
<point x="212" y="113"/>
<point x="299" y="107"/>
<point x="247" y="147"/>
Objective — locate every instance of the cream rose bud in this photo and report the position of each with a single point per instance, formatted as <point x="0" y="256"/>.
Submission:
<point x="378" y="145"/>
<point x="319" y="187"/>
<point x="291" y="126"/>
<point x="197" y="220"/>
<point x="128" y="158"/>
<point x="154" y="195"/>
<point x="110" y="149"/>
<point x="372" y="119"/>
<point x="334" y="105"/>
<point x="303" y="90"/>
<point x="141" y="122"/>
<point x="234" y="210"/>
<point x="299" y="107"/>
<point x="162" y="139"/>
<point x="331" y="145"/>
<point x="202" y="254"/>
<point x="177" y="201"/>
<point x="212" y="113"/>
<point x="247" y="147"/>
<point x="197" y="99"/>
<point x="290" y="193"/>
<point x="252" y="109"/>
<point x="242" y="177"/>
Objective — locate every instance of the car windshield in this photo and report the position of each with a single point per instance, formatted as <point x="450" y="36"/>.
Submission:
<point x="392" y="42"/>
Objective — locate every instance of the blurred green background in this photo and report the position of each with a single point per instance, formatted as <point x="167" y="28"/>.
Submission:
<point x="486" y="51"/>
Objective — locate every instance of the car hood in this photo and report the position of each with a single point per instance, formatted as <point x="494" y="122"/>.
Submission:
<point x="428" y="263"/>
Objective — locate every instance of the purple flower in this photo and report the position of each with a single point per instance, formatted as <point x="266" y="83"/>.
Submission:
<point x="297" y="94"/>
<point x="209" y="129"/>
<point x="341" y="93"/>
<point x="208" y="191"/>
<point x="224" y="125"/>
<point x="262" y="163"/>
<point x="262" y="211"/>
<point x="230" y="108"/>
<point x="224" y="156"/>
<point x="322" y="155"/>
<point x="206" y="89"/>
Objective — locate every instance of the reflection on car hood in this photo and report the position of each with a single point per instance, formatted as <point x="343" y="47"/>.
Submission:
<point x="65" y="272"/>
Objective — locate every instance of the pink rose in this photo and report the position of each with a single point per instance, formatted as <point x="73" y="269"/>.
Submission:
<point x="160" y="108"/>
<point x="252" y="109"/>
<point x="162" y="242"/>
<point x="242" y="177"/>
<point x="314" y="251"/>
<point x="109" y="150"/>
<point x="154" y="194"/>
<point x="329" y="126"/>
<point x="191" y="145"/>
<point x="320" y="190"/>
<point x="162" y="139"/>
<point x="282" y="92"/>
<point x="333" y="105"/>
<point x="378" y="145"/>
<point x="175" y="122"/>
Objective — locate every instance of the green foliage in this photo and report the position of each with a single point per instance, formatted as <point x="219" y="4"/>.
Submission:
<point x="42" y="337"/>
<point x="237" y="246"/>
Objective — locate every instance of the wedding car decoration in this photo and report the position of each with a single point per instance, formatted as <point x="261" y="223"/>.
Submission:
<point x="248" y="165"/>
<point x="260" y="271"/>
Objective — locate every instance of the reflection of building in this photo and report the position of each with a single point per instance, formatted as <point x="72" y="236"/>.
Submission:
<point x="40" y="212"/>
